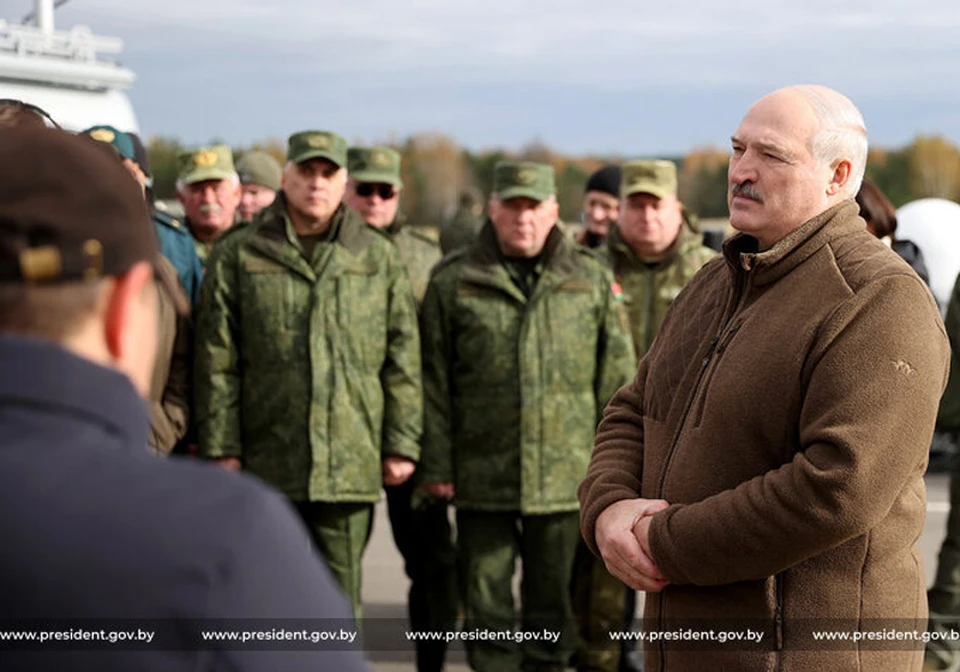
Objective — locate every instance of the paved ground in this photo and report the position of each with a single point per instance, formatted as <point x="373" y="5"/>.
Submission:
<point x="385" y="585"/>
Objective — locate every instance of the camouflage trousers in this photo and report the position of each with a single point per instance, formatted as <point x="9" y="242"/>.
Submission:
<point x="340" y="533"/>
<point x="489" y="544"/>
<point x="599" y="601"/>
<point x="424" y="538"/>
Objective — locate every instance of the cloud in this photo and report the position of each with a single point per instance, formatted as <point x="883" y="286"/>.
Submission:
<point x="459" y="64"/>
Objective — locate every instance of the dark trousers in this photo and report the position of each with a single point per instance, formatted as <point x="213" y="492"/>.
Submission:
<point x="424" y="538"/>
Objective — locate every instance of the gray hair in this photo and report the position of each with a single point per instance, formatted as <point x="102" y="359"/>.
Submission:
<point x="842" y="134"/>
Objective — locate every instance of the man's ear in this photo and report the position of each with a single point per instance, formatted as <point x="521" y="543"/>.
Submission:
<point x="123" y="295"/>
<point x="841" y="176"/>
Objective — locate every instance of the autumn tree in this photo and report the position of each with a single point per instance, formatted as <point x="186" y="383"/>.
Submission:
<point x="433" y="176"/>
<point x="702" y="182"/>
<point x="934" y="167"/>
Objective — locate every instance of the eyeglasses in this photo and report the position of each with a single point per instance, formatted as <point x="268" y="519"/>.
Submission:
<point x="384" y="191"/>
<point x="29" y="107"/>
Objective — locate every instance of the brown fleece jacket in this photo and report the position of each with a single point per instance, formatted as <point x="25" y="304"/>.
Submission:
<point x="785" y="411"/>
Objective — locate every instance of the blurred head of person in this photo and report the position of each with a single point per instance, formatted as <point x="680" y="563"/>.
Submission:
<point x="208" y="187"/>
<point x="877" y="211"/>
<point x="523" y="207"/>
<point x="374" y="184"/>
<point x="314" y="178"/>
<point x="125" y="148"/>
<point x="650" y="213"/>
<point x="260" y="177"/>
<point x="601" y="200"/>
<point x="78" y="251"/>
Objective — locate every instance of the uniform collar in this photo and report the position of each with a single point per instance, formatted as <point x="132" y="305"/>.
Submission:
<point x="46" y="376"/>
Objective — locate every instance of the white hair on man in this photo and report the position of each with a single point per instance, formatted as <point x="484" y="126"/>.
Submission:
<point x="842" y="134"/>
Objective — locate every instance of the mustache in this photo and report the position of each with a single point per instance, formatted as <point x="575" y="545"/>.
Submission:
<point x="210" y="207"/>
<point x="746" y="189"/>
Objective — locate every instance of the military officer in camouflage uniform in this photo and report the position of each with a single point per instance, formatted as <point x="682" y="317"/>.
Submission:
<point x="260" y="176"/>
<point x="308" y="355"/>
<point x="422" y="532"/>
<point x="373" y="190"/>
<point x="523" y="344"/>
<point x="654" y="249"/>
<point x="209" y="190"/>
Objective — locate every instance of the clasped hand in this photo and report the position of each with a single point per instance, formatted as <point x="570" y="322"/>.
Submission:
<point x="623" y="538"/>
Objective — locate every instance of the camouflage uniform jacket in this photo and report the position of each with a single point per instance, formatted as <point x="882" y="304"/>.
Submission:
<point x="650" y="288"/>
<point x="419" y="254"/>
<point x="514" y="387"/>
<point x="308" y="371"/>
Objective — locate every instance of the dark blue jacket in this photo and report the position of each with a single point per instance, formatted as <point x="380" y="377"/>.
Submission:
<point x="176" y="244"/>
<point x="92" y="526"/>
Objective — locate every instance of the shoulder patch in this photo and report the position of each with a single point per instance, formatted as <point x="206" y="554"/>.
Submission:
<point x="419" y="233"/>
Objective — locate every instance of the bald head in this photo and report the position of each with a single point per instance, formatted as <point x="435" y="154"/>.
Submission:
<point x="797" y="152"/>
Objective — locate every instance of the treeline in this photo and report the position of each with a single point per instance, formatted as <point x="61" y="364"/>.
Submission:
<point x="436" y="170"/>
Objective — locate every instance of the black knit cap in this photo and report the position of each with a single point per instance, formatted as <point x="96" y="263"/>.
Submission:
<point x="606" y="180"/>
<point x="69" y="211"/>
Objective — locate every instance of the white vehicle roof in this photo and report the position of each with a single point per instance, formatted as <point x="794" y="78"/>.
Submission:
<point x="63" y="72"/>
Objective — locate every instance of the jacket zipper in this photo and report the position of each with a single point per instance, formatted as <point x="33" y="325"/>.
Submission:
<point x="737" y="300"/>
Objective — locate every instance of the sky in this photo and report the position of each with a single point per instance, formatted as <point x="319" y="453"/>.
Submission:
<point x="602" y="78"/>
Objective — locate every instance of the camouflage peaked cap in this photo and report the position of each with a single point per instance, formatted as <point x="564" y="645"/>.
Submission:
<point x="118" y="139"/>
<point x="374" y="164"/>
<point x="658" y="178"/>
<point x="308" y="145"/>
<point x="512" y="179"/>
<point x="206" y="163"/>
<point x="259" y="168"/>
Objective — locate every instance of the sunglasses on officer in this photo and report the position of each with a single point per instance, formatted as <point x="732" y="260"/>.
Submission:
<point x="22" y="106"/>
<point x="384" y="191"/>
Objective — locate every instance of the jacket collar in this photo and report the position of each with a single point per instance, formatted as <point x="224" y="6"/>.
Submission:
<point x="799" y="245"/>
<point x="687" y="237"/>
<point x="276" y="238"/>
<point x="484" y="264"/>
<point x="48" y="377"/>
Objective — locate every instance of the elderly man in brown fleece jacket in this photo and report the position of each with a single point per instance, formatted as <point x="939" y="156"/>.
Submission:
<point x="765" y="468"/>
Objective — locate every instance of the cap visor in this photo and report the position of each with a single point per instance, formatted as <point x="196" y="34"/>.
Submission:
<point x="522" y="192"/>
<point x="319" y="154"/>
<point x="376" y="178"/>
<point x="651" y="188"/>
<point x="172" y="286"/>
<point x="205" y="174"/>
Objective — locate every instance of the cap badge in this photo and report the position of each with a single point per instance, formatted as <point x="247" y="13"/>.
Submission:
<point x="318" y="141"/>
<point x="103" y="135"/>
<point x="205" y="159"/>
<point x="526" y="176"/>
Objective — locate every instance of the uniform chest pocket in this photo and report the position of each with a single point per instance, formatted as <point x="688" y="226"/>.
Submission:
<point x="268" y="301"/>
<point x="363" y="309"/>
